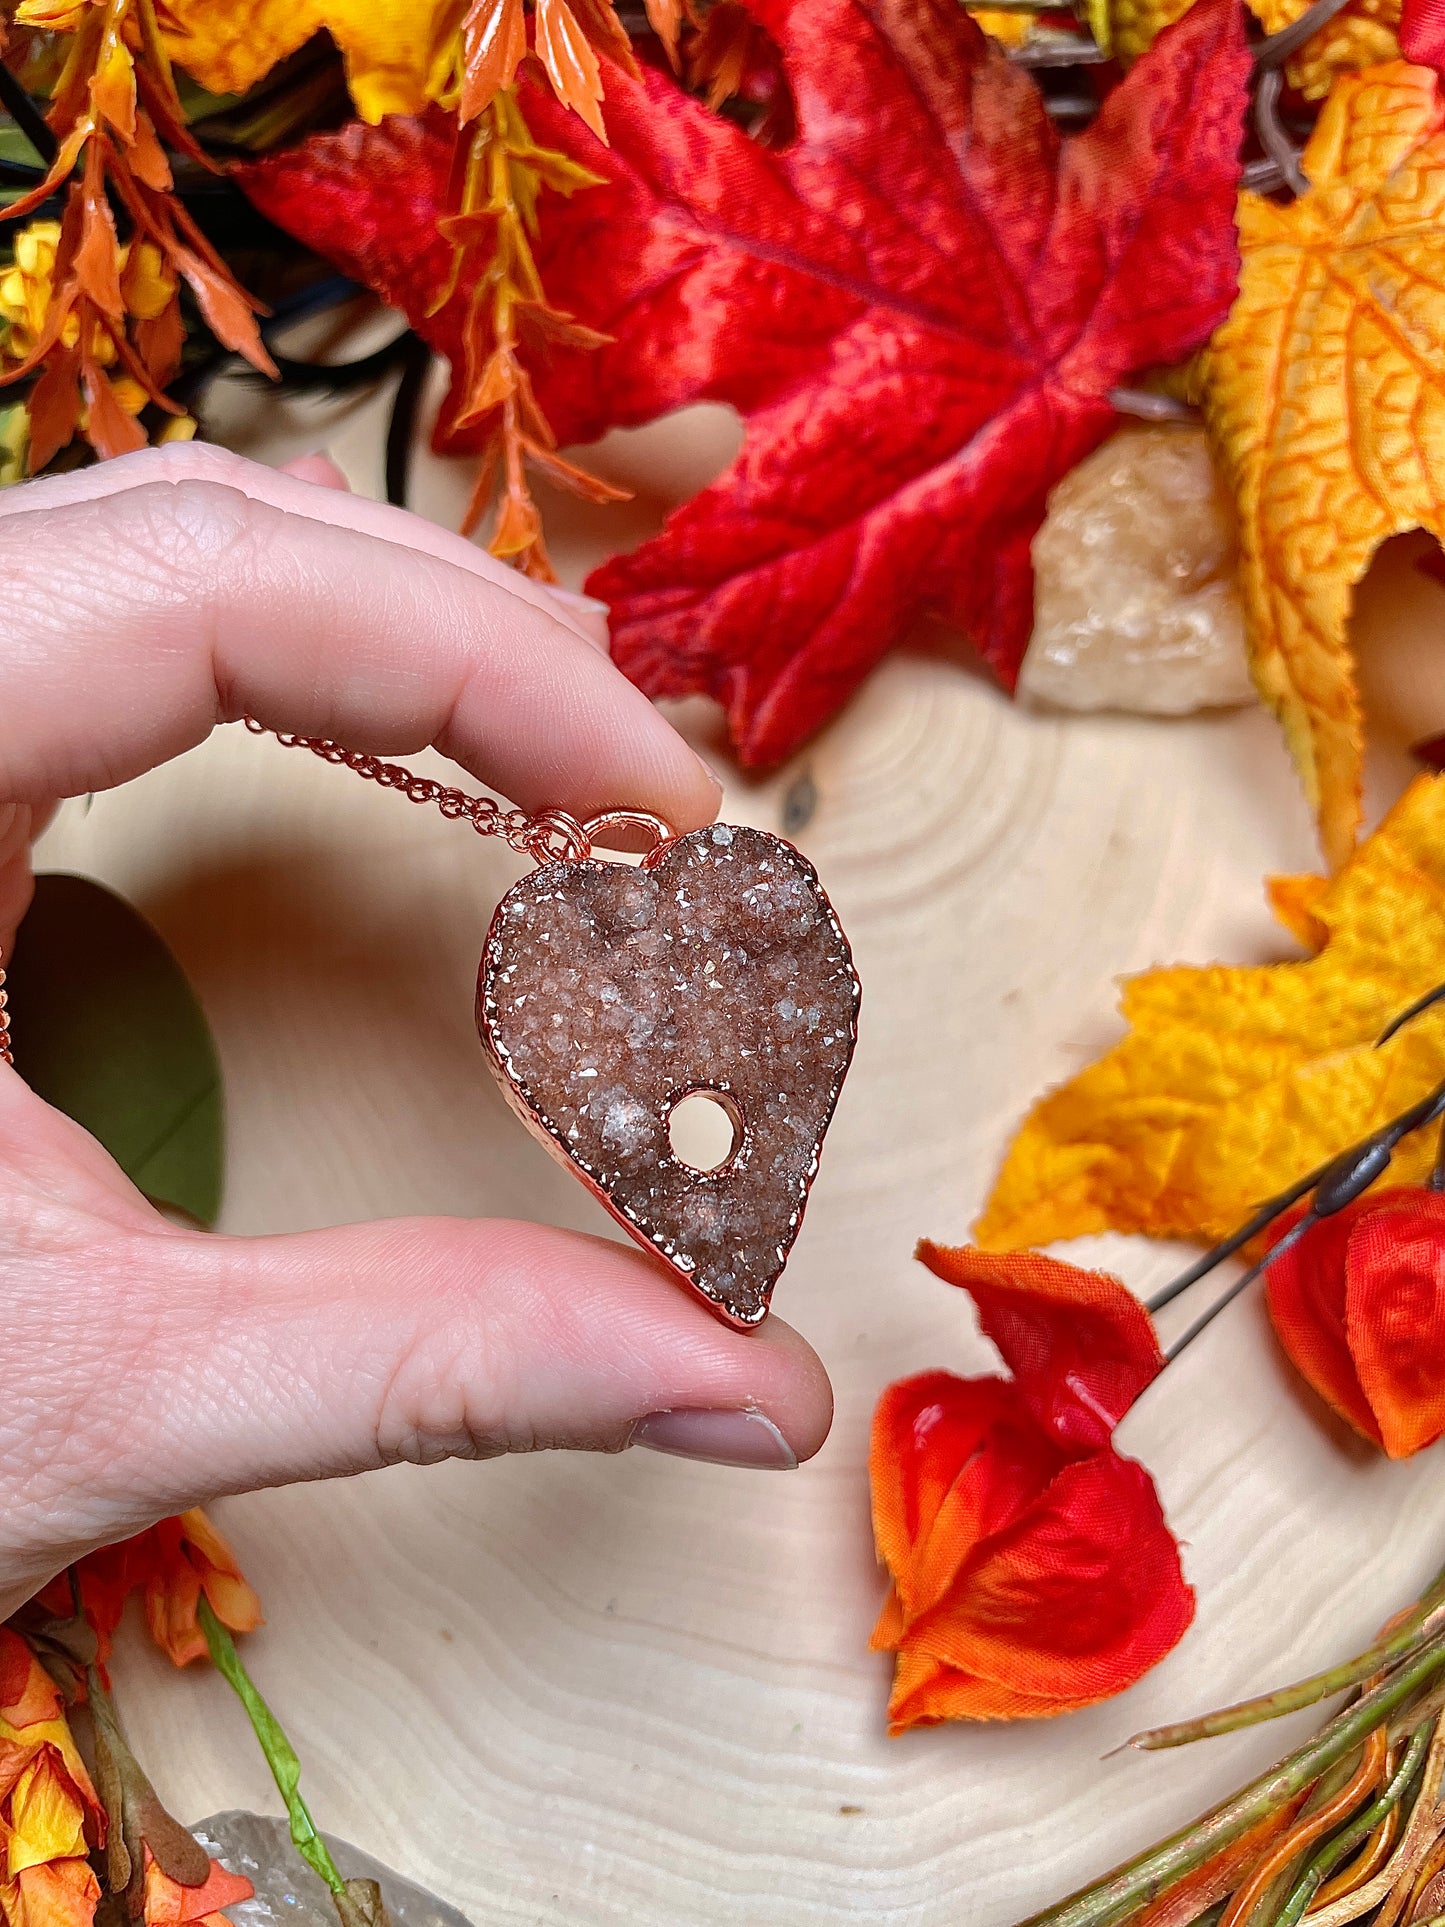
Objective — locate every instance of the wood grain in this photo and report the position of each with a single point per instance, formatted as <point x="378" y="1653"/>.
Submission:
<point x="573" y="1690"/>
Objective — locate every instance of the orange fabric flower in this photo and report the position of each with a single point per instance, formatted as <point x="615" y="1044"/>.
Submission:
<point x="1359" y="1305"/>
<point x="50" y="1817"/>
<point x="169" y="1904"/>
<point x="172" y="1564"/>
<point x="1032" y="1569"/>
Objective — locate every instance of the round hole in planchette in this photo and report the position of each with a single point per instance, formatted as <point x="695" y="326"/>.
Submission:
<point x="705" y="1130"/>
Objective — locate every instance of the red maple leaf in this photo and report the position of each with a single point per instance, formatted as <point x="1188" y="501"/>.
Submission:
<point x="919" y="306"/>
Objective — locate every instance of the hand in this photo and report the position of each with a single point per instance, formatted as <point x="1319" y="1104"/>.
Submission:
<point x="148" y="1368"/>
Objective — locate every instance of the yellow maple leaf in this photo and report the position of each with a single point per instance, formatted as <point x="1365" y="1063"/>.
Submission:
<point x="1234" y="1080"/>
<point x="1134" y="25"/>
<point x="1324" y="393"/>
<point x="1010" y="29"/>
<point x="397" y="52"/>
<point x="1361" y="34"/>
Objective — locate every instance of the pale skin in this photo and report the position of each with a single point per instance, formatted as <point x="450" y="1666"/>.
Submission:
<point x="147" y="1367"/>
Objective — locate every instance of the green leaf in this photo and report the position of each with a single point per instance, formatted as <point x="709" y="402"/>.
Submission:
<point x="107" y="1029"/>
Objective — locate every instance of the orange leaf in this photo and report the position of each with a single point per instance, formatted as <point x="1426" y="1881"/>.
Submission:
<point x="96" y="266"/>
<point x="1233" y="1081"/>
<point x="1325" y="398"/>
<point x="228" y="312"/>
<point x="112" y="85"/>
<point x="108" y="428"/>
<point x="570" y="63"/>
<point x="54" y="407"/>
<point x="169" y="1904"/>
<point x="494" y="40"/>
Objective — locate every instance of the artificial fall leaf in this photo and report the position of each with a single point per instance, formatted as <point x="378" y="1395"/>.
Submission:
<point x="395" y="50"/>
<point x="1234" y="1081"/>
<point x="1359" y="1305"/>
<point x="919" y="305"/>
<point x="1361" y="34"/>
<point x="1325" y="398"/>
<point x="1032" y="1571"/>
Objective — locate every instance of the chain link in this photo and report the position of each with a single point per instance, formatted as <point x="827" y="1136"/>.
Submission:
<point x="6" y="1054"/>
<point x="551" y="836"/>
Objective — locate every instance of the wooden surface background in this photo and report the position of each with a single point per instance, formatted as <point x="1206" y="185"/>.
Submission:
<point x="587" y="1691"/>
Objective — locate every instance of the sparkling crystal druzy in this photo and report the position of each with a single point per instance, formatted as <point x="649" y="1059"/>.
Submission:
<point x="609" y="993"/>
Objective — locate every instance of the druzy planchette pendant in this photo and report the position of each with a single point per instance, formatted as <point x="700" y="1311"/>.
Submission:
<point x="608" y="993"/>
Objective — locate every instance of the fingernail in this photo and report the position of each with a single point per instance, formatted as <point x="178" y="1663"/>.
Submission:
<point x="719" y="1438"/>
<point x="587" y="613"/>
<point x="714" y="775"/>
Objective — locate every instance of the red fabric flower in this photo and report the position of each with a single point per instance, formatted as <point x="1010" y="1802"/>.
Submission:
<point x="1359" y="1305"/>
<point x="1032" y="1569"/>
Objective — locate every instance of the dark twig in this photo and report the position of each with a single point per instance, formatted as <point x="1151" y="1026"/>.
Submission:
<point x="1271" y="131"/>
<point x="26" y="115"/>
<point x="1263" y="1218"/>
<point x="1417" y="1009"/>
<point x="1334" y="1186"/>
<point x="405" y="405"/>
<point x="1276" y="1250"/>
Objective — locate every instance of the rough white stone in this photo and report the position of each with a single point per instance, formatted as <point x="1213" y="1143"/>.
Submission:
<point x="1136" y="604"/>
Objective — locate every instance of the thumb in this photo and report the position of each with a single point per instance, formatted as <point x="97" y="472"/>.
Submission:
<point x="207" y="1365"/>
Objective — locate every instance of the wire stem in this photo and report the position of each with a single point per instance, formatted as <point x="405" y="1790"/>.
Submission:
<point x="278" y="1750"/>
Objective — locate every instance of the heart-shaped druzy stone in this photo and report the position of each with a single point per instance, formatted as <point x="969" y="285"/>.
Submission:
<point x="608" y="993"/>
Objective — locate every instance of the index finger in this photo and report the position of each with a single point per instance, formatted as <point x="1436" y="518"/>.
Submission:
<point x="138" y="615"/>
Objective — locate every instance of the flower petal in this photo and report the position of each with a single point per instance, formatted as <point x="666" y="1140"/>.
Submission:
<point x="1306" y="1291"/>
<point x="1080" y="1346"/>
<point x="1395" y="1315"/>
<point x="1073" y="1602"/>
<point x="953" y="1460"/>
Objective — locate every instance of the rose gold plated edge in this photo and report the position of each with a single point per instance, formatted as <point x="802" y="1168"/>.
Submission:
<point x="499" y="1060"/>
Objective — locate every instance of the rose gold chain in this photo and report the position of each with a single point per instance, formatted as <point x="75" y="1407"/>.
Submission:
<point x="549" y="836"/>
<point x="6" y="1055"/>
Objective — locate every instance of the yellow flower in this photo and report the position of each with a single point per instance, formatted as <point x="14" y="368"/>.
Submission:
<point x="25" y="293"/>
<point x="25" y="287"/>
<point x="54" y="16"/>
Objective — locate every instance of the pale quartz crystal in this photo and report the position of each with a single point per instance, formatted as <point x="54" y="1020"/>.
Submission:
<point x="288" y="1894"/>
<point x="1135" y="595"/>
<point x="608" y="994"/>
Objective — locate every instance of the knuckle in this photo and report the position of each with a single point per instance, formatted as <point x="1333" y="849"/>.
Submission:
<point x="451" y="1391"/>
